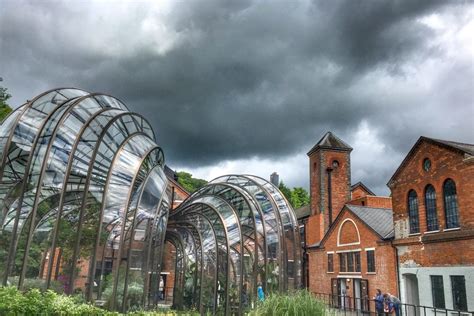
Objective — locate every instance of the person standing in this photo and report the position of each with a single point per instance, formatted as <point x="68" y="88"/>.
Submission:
<point x="393" y="303"/>
<point x="379" y="301"/>
<point x="261" y="295"/>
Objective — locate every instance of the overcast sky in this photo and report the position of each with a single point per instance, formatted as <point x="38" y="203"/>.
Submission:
<point x="251" y="86"/>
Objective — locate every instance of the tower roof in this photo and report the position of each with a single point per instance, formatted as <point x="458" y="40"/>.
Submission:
<point x="332" y="142"/>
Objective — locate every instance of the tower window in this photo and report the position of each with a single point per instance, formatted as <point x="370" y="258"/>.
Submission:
<point x="451" y="209"/>
<point x="413" y="212"/>
<point x="335" y="164"/>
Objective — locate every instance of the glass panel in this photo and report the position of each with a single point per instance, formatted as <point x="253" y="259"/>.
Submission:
<point x="451" y="204"/>
<point x="437" y="291"/>
<point x="458" y="284"/>
<point x="430" y="205"/>
<point x="413" y="212"/>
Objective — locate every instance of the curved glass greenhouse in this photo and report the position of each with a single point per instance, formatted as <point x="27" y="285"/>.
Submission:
<point x="85" y="210"/>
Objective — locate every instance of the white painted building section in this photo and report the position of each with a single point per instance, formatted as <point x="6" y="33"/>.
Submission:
<point x="415" y="286"/>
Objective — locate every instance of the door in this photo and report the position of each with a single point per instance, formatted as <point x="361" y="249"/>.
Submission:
<point x="343" y="293"/>
<point x="335" y="290"/>
<point x="364" y="294"/>
<point x="411" y="294"/>
<point x="357" y="294"/>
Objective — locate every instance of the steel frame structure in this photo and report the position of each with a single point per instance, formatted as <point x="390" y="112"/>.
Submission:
<point x="85" y="209"/>
<point x="247" y="234"/>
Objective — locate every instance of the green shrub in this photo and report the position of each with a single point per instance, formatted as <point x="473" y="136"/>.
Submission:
<point x="299" y="303"/>
<point x="34" y="302"/>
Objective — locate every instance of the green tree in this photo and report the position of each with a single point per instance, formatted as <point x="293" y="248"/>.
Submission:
<point x="285" y="190"/>
<point x="297" y="197"/>
<point x="4" y="107"/>
<point x="189" y="183"/>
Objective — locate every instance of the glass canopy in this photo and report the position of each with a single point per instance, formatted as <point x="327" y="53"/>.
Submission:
<point x="85" y="210"/>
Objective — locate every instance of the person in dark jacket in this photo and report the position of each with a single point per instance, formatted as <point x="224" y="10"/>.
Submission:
<point x="379" y="301"/>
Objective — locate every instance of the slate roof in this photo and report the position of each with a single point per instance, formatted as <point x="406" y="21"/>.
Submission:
<point x="363" y="187"/>
<point x="330" y="141"/>
<point x="379" y="219"/>
<point x="462" y="148"/>
<point x="303" y="212"/>
<point x="465" y="148"/>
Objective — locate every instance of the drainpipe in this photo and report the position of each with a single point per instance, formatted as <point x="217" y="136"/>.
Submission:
<point x="329" y="170"/>
<point x="305" y="258"/>
<point x="398" y="270"/>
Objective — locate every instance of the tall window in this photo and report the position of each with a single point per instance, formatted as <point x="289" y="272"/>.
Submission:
<point x="349" y="262"/>
<point x="357" y="261"/>
<point x="458" y="285"/>
<point x="451" y="209"/>
<point x="430" y="204"/>
<point x="330" y="262"/>
<point x="437" y="291"/>
<point x="342" y="262"/>
<point x="370" y="261"/>
<point x="413" y="212"/>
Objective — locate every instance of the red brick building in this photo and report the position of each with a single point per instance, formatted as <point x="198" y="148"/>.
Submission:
<point x="349" y="231"/>
<point x="433" y="205"/>
<point x="178" y="195"/>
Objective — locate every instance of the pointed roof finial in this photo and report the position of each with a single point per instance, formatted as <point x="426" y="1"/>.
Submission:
<point x="330" y="141"/>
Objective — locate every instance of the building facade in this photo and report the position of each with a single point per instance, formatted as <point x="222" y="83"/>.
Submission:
<point x="433" y="205"/>
<point x="348" y="231"/>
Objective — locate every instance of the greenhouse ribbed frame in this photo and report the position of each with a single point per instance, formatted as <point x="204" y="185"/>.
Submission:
<point x="82" y="180"/>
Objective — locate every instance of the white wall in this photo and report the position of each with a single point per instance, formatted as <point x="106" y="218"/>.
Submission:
<point x="424" y="284"/>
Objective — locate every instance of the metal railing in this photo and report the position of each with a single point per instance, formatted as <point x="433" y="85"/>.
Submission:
<point x="348" y="305"/>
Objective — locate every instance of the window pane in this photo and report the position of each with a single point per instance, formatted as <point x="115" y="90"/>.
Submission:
<point x="430" y="203"/>
<point x="370" y="261"/>
<point x="413" y="212"/>
<point x="451" y="204"/>
<point x="357" y="261"/>
<point x="458" y="284"/>
<point x="350" y="262"/>
<point x="437" y="291"/>
<point x="342" y="262"/>
<point x="330" y="263"/>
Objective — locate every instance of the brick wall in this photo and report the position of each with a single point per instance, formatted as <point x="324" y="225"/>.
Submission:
<point x="385" y="276"/>
<point x="443" y="247"/>
<point x="319" y="161"/>
<point x="373" y="201"/>
<point x="358" y="192"/>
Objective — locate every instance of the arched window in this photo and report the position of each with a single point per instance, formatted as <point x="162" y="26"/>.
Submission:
<point x="451" y="209"/>
<point x="413" y="212"/>
<point x="430" y="205"/>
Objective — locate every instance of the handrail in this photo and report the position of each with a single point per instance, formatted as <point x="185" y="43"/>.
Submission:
<point x="366" y="305"/>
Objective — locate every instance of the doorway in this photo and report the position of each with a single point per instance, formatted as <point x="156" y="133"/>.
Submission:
<point x="361" y="294"/>
<point x="411" y="294"/>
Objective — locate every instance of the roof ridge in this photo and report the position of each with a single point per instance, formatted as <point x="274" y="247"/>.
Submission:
<point x="447" y="141"/>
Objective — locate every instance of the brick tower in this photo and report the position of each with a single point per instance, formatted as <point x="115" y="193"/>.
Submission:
<point x="330" y="184"/>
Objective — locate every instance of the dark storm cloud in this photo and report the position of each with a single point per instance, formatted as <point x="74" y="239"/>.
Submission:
<point x="242" y="79"/>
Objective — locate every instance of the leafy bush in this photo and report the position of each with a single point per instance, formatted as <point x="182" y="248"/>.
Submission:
<point x="34" y="302"/>
<point x="297" y="303"/>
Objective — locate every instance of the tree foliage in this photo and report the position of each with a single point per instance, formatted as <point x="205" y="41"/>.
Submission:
<point x="189" y="183"/>
<point x="297" y="196"/>
<point x="4" y="107"/>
